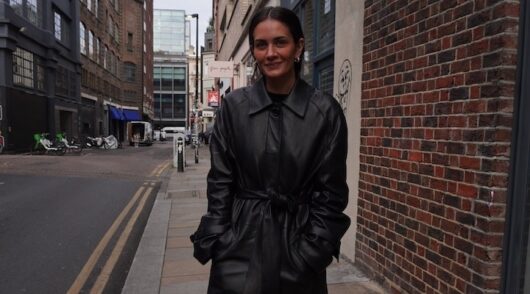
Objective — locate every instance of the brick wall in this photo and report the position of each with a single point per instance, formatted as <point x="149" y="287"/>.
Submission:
<point x="132" y="24"/>
<point x="437" y="98"/>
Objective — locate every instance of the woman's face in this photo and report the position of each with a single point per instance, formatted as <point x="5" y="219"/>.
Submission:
<point x="275" y="50"/>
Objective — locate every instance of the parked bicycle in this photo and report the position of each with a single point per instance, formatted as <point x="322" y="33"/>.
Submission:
<point x="43" y="145"/>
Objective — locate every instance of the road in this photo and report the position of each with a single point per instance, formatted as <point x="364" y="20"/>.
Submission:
<point x="72" y="223"/>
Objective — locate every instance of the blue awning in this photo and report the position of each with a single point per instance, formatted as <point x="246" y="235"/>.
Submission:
<point x="131" y="114"/>
<point x="116" y="114"/>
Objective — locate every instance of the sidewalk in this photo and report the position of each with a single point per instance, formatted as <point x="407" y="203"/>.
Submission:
<point x="164" y="260"/>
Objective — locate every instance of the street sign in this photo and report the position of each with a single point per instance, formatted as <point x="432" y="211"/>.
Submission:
<point x="220" y="69"/>
<point x="213" y="98"/>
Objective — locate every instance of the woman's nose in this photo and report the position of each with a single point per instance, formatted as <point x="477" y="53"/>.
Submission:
<point x="271" y="51"/>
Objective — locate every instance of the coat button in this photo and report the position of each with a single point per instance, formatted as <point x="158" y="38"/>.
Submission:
<point x="275" y="111"/>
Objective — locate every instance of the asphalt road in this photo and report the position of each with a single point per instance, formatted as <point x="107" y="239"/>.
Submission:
<point x="74" y="222"/>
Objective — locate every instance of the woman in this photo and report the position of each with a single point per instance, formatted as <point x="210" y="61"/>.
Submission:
<point x="277" y="185"/>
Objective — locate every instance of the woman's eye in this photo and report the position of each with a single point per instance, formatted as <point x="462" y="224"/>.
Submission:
<point x="260" y="45"/>
<point x="280" y="43"/>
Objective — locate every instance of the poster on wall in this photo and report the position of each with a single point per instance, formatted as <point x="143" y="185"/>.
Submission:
<point x="213" y="98"/>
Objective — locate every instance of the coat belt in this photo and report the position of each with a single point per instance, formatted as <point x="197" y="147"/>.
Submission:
<point x="263" y="274"/>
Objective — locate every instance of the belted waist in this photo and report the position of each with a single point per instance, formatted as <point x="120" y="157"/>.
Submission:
<point x="287" y="202"/>
<point x="264" y="269"/>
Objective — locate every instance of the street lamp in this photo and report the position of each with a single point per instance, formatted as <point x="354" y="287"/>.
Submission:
<point x="196" y="102"/>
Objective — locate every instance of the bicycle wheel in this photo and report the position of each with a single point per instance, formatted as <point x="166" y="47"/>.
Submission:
<point x="60" y="150"/>
<point x="37" y="150"/>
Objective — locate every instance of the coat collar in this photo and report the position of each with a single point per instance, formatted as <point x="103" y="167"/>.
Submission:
<point x="296" y="101"/>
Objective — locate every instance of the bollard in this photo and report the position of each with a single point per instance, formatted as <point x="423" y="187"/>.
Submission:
<point x="179" y="156"/>
<point x="180" y="159"/>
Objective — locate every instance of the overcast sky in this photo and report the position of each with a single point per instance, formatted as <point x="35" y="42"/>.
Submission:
<point x="202" y="7"/>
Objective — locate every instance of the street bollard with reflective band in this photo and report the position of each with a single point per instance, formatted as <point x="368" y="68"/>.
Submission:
<point x="179" y="152"/>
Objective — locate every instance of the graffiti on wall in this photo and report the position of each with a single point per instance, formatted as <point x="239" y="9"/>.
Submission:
<point x="344" y="84"/>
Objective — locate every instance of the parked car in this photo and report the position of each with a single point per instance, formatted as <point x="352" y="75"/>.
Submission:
<point x="159" y="135"/>
<point x="173" y="130"/>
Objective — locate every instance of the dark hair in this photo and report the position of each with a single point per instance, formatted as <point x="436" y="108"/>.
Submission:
<point x="285" y="16"/>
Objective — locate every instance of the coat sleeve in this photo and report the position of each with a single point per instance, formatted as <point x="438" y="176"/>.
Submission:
<point x="219" y="190"/>
<point x="327" y="222"/>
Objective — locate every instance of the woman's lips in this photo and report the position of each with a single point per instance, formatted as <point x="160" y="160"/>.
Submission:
<point x="272" y="65"/>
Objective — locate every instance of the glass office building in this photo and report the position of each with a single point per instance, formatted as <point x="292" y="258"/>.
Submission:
<point x="169" y="31"/>
<point x="170" y="92"/>
<point x="170" y="68"/>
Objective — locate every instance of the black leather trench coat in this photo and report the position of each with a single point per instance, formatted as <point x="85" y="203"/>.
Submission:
<point x="276" y="192"/>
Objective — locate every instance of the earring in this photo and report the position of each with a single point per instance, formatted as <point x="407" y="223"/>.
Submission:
<point x="296" y="59"/>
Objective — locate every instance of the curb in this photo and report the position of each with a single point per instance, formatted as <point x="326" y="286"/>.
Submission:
<point x="146" y="269"/>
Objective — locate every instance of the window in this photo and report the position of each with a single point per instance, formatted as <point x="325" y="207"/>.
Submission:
<point x="57" y="22"/>
<point x="129" y="72"/>
<point x="96" y="50"/>
<point x="60" y="27"/>
<point x="61" y="81"/>
<point x="116" y="33"/>
<point x="27" y="68"/>
<point x="28" y="9"/>
<point x="110" y="27"/>
<point x="101" y="52"/>
<point x="17" y="7"/>
<point x="130" y="42"/>
<point x="82" y="39"/>
<point x="129" y="95"/>
<point x="105" y="57"/>
<point x="90" y="44"/>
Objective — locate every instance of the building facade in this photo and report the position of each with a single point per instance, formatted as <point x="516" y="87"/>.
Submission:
<point x="115" y="41"/>
<point x="39" y="84"/>
<point x="209" y="104"/>
<point x="137" y="57"/>
<point x="170" y="78"/>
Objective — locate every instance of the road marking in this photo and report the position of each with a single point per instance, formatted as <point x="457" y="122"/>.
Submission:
<point x="104" y="276"/>
<point x="163" y="168"/>
<point x="91" y="262"/>
<point x="157" y="168"/>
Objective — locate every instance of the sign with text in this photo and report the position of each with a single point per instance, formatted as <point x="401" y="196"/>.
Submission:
<point x="213" y="98"/>
<point x="207" y="113"/>
<point x="220" y="69"/>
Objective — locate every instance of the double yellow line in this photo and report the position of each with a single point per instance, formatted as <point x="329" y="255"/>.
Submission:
<point x="141" y="197"/>
<point x="160" y="169"/>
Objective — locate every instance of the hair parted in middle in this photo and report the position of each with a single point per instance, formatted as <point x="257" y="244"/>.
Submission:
<point x="285" y="16"/>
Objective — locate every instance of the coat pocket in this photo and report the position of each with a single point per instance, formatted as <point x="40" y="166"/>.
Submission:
<point x="223" y="244"/>
<point x="206" y="236"/>
<point x="297" y="269"/>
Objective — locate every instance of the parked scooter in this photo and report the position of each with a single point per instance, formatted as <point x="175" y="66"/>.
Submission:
<point x="70" y="145"/>
<point x="109" y="142"/>
<point x="43" y="145"/>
